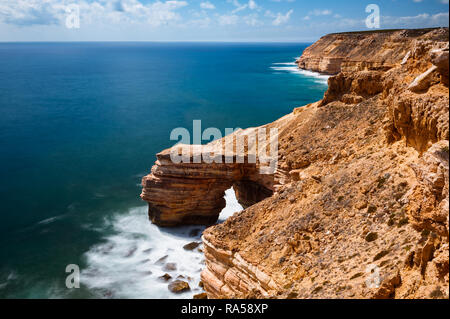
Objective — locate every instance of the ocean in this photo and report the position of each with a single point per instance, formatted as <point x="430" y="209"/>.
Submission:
<point x="80" y="124"/>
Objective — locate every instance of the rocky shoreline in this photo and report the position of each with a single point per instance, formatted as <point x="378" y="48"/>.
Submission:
<point x="358" y="206"/>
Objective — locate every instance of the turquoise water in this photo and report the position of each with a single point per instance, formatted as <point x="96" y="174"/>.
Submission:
<point x="80" y="124"/>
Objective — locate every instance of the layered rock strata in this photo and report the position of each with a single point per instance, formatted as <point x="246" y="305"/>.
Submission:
<point x="361" y="204"/>
<point x="358" y="205"/>
<point x="191" y="190"/>
<point x="368" y="50"/>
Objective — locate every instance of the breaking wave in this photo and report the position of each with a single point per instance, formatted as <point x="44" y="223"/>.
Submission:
<point x="291" y="67"/>
<point x="130" y="262"/>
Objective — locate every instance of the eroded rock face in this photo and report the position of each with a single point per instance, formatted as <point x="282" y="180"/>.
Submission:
<point x="440" y="58"/>
<point x="192" y="191"/>
<point x="352" y="88"/>
<point x="360" y="204"/>
<point x="188" y="193"/>
<point x="419" y="114"/>
<point x="356" y="51"/>
<point x="227" y="272"/>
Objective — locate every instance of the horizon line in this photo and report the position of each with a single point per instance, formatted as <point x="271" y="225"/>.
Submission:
<point x="157" y="41"/>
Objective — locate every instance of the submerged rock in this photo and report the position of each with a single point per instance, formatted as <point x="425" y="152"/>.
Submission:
<point x="203" y="295"/>
<point x="191" y="246"/>
<point x="183" y="277"/>
<point x="179" y="286"/>
<point x="170" y="267"/>
<point x="161" y="260"/>
<point x="165" y="277"/>
<point x="194" y="232"/>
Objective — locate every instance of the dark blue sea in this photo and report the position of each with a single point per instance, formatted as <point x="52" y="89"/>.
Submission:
<point x="80" y="124"/>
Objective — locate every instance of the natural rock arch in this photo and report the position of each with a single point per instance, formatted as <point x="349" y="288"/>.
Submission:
<point x="193" y="193"/>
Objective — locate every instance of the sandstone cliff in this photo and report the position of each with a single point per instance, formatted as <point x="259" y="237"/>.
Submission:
<point x="358" y="206"/>
<point x="362" y="210"/>
<point x="354" y="51"/>
<point x="193" y="193"/>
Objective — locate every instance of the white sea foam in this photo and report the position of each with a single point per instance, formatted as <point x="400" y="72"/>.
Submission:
<point x="284" y="63"/>
<point x="50" y="220"/>
<point x="126" y="264"/>
<point x="291" y="67"/>
<point x="231" y="207"/>
<point x="12" y="275"/>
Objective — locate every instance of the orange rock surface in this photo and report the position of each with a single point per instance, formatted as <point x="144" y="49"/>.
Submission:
<point x="356" y="51"/>
<point x="362" y="208"/>
<point x="358" y="206"/>
<point x="193" y="193"/>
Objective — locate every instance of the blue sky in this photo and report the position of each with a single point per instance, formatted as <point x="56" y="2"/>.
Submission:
<point x="207" y="20"/>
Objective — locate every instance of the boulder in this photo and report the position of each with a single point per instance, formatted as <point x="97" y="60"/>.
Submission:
<point x="179" y="286"/>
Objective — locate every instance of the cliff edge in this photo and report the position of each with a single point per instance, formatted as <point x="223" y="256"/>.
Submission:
<point x="370" y="50"/>
<point x="360" y="199"/>
<point x="358" y="205"/>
